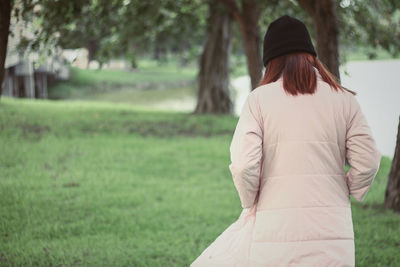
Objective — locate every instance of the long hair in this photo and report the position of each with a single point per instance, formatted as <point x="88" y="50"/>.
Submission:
<point x="298" y="72"/>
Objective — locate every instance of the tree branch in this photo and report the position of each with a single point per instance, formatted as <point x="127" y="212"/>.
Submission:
<point x="231" y="5"/>
<point x="307" y="5"/>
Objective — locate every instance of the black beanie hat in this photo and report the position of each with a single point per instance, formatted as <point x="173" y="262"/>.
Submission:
<point x="286" y="35"/>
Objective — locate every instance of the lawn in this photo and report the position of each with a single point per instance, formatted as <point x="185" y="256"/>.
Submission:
<point x="96" y="184"/>
<point x="146" y="84"/>
<point x="149" y="84"/>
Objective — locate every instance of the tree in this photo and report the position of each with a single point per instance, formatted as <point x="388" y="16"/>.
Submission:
<point x="5" y="13"/>
<point x="247" y="19"/>
<point x="79" y="23"/>
<point x="371" y="25"/>
<point x="362" y="23"/>
<point x="163" y="26"/>
<point x="392" y="194"/>
<point x="325" y="20"/>
<point x="213" y="77"/>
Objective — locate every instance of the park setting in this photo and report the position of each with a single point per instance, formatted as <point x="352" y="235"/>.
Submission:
<point x="116" y="119"/>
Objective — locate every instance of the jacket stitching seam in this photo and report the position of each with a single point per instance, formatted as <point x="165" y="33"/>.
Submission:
<point x="308" y="207"/>
<point x="302" y="142"/>
<point x="325" y="239"/>
<point x="272" y="176"/>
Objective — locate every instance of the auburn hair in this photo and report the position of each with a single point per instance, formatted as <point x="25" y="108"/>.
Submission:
<point x="298" y="73"/>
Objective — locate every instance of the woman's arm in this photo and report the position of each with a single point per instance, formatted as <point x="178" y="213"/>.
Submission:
<point x="361" y="152"/>
<point x="246" y="152"/>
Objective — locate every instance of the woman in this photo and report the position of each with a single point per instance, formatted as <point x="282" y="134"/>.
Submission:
<point x="287" y="161"/>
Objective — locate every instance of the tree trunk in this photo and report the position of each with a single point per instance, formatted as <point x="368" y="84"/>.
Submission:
<point x="213" y="77"/>
<point x="156" y="52"/>
<point x="92" y="47"/>
<point x="326" y="31"/>
<point x="392" y="195"/>
<point x="158" y="48"/>
<point x="250" y="30"/>
<point x="252" y="41"/>
<point x="5" y="13"/>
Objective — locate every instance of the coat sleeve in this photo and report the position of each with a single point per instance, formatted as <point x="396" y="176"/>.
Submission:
<point x="361" y="152"/>
<point x="246" y="152"/>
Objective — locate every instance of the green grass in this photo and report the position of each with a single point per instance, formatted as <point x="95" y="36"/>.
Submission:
<point x="135" y="86"/>
<point x="151" y="82"/>
<point x="144" y="97"/>
<point x="96" y="184"/>
<point x="147" y="71"/>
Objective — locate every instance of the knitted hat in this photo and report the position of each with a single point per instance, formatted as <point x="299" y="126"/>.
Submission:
<point x="286" y="35"/>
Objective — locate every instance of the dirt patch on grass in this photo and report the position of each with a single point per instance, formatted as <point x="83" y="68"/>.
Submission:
<point x="166" y="129"/>
<point x="71" y="184"/>
<point x="378" y="207"/>
<point x="33" y="131"/>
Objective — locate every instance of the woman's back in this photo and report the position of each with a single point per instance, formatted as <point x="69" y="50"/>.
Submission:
<point x="303" y="203"/>
<point x="304" y="139"/>
<point x="288" y="153"/>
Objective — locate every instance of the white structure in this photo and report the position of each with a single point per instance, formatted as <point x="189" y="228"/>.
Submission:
<point x="24" y="76"/>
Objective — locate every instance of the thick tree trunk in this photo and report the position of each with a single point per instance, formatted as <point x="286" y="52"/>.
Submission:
<point x="213" y="77"/>
<point x="252" y="41"/>
<point x="254" y="64"/>
<point x="392" y="195"/>
<point x="5" y="15"/>
<point x="326" y="31"/>
<point x="250" y="30"/>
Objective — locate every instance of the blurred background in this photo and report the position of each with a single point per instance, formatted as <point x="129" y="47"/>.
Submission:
<point x="116" y="118"/>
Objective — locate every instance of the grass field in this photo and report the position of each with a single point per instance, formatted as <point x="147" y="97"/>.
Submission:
<point x="149" y="83"/>
<point x="90" y="184"/>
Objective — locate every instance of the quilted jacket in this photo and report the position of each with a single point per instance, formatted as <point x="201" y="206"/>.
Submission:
<point x="287" y="162"/>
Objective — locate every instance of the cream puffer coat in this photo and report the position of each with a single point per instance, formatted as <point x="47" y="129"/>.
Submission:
<point x="287" y="162"/>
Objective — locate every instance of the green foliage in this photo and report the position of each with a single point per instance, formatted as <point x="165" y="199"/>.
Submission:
<point x="119" y="27"/>
<point x="372" y="25"/>
<point x="131" y="28"/>
<point x="164" y="25"/>
<point x="103" y="185"/>
<point x="367" y="29"/>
